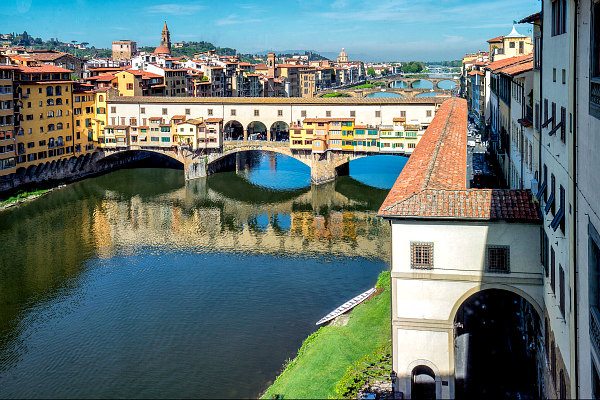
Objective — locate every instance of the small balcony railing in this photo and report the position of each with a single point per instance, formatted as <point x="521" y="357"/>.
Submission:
<point x="595" y="96"/>
<point x="595" y="328"/>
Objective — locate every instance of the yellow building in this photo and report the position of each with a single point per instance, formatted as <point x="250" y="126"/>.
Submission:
<point x="301" y="137"/>
<point x="101" y="115"/>
<point x="366" y="138"/>
<point x="84" y="102"/>
<point x="45" y="132"/>
<point x="8" y="159"/>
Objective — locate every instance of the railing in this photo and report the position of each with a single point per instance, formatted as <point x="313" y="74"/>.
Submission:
<point x="595" y="96"/>
<point x="595" y="328"/>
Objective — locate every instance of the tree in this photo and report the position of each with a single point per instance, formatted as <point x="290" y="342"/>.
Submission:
<point x="371" y="71"/>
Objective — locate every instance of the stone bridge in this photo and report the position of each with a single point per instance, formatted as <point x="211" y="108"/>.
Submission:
<point x="324" y="167"/>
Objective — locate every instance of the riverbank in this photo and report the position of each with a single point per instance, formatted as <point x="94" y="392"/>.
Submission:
<point x="22" y="197"/>
<point x="326" y="364"/>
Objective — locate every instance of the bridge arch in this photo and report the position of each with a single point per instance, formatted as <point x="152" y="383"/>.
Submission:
<point x="138" y="155"/>
<point x="257" y="131"/>
<point x="425" y="83"/>
<point x="280" y="131"/>
<point x="284" y="150"/>
<point x="446" y="84"/>
<point x="233" y="130"/>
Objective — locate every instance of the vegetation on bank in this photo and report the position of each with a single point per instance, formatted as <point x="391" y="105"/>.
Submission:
<point x="336" y="94"/>
<point x="334" y="361"/>
<point x="369" y="85"/>
<point x="21" y="197"/>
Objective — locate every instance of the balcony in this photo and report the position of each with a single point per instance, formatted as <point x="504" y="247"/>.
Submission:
<point x="595" y="97"/>
<point x="595" y="329"/>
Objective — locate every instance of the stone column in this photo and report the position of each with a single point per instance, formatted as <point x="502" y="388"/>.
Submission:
<point x="195" y="169"/>
<point x="245" y="134"/>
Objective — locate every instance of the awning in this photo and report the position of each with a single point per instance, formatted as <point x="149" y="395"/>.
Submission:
<point x="549" y="203"/>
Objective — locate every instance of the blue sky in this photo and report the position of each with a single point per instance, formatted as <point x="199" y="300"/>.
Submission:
<point x="369" y="29"/>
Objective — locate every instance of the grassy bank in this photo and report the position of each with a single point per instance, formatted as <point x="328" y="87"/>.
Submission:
<point x="21" y="197"/>
<point x="331" y="355"/>
<point x="335" y="94"/>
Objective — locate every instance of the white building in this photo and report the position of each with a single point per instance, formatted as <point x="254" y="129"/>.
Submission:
<point x="455" y="251"/>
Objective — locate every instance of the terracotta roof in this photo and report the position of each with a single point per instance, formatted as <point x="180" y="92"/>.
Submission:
<point x="329" y="120"/>
<point x="155" y="119"/>
<point x="162" y="50"/>
<point x="178" y="117"/>
<point x="531" y="18"/>
<point x="497" y="66"/>
<point x="47" y="55"/>
<point x="518" y="68"/>
<point x="213" y="120"/>
<point x="433" y="184"/>
<point x="476" y="72"/>
<point x="10" y="67"/>
<point x="47" y="69"/>
<point x="496" y="39"/>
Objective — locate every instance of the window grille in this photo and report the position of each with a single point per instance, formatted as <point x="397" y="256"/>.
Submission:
<point x="498" y="259"/>
<point x="421" y="255"/>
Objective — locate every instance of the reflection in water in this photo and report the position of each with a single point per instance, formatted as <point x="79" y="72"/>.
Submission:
<point x="137" y="284"/>
<point x="384" y="94"/>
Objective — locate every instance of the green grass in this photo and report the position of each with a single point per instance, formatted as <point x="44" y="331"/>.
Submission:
<point x="21" y="196"/>
<point x="369" y="85"/>
<point x="336" y="94"/>
<point x="330" y="355"/>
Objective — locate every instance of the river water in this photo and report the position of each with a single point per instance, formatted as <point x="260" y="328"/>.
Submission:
<point x="136" y="284"/>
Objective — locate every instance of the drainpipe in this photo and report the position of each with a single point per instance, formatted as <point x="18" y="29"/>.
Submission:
<point x="574" y="218"/>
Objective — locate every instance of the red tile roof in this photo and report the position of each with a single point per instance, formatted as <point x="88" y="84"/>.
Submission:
<point x="518" y="68"/>
<point x="476" y="72"/>
<point x="433" y="184"/>
<point x="497" y="66"/>
<point x="213" y="120"/>
<point x="496" y="39"/>
<point x="43" y="69"/>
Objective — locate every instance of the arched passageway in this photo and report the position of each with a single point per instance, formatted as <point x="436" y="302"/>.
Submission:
<point x="280" y="131"/>
<point x="257" y="131"/>
<point x="495" y="346"/>
<point x="233" y="130"/>
<point x="423" y="383"/>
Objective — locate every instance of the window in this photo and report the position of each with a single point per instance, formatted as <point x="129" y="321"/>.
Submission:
<point x="564" y="76"/>
<point x="498" y="259"/>
<point x="328" y="113"/>
<point x="559" y="218"/>
<point x="188" y="111"/>
<point x="165" y="111"/>
<point x="303" y="113"/>
<point x="233" y="112"/>
<point x="143" y="110"/>
<point x="280" y="113"/>
<point x="511" y="45"/>
<point x="130" y="86"/>
<point x="403" y="114"/>
<point x="559" y="17"/>
<point x="352" y="114"/>
<point x="561" y="298"/>
<point x="553" y="74"/>
<point x="545" y="248"/>
<point x="421" y="255"/>
<point x="377" y="114"/>
<point x="563" y="122"/>
<point x="550" y="200"/>
<point x="428" y="113"/>
<point x="256" y="113"/>
<point x="210" y="111"/>
<point x="49" y="91"/>
<point x="552" y="269"/>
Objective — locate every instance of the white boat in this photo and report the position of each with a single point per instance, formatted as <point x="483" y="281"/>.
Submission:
<point x="347" y="306"/>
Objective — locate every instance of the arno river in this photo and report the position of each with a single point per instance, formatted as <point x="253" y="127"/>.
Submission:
<point x="136" y="284"/>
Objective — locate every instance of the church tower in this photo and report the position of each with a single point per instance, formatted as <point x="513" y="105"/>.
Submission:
<point x="166" y="37"/>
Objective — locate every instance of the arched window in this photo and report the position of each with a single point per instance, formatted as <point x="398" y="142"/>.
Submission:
<point x="49" y="91"/>
<point x="50" y="114"/>
<point x="59" y="141"/>
<point x="50" y="102"/>
<point x="100" y="98"/>
<point x="562" y="386"/>
<point x="59" y="126"/>
<point x="59" y="101"/>
<point x="59" y="113"/>
<point x="58" y="90"/>
<point x="50" y="127"/>
<point x="51" y="143"/>
<point x="423" y="383"/>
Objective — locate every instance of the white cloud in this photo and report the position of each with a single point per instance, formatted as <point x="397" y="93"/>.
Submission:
<point x="234" y="19"/>
<point x="174" y="9"/>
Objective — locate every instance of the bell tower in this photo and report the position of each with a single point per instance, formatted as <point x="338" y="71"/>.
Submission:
<point x="166" y="37"/>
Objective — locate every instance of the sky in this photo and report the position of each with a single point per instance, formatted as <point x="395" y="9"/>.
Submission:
<point x="370" y="30"/>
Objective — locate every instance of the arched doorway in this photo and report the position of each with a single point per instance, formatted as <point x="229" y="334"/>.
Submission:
<point x="233" y="130"/>
<point x="496" y="338"/>
<point x="422" y="383"/>
<point x="280" y="132"/>
<point x="257" y="131"/>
